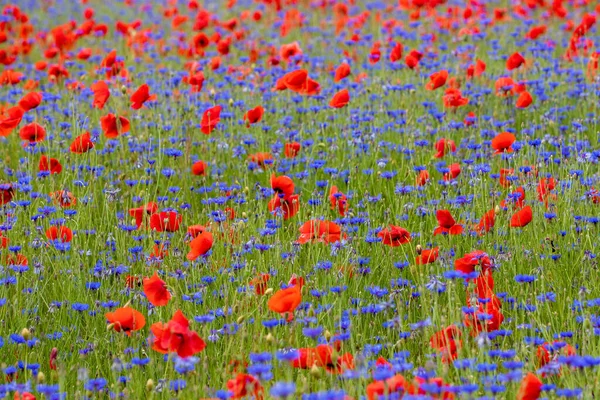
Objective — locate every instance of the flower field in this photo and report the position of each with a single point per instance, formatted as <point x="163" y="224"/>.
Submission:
<point x="299" y="199"/>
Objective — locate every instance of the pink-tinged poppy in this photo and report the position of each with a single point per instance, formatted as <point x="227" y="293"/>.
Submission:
<point x="521" y="218"/>
<point x="437" y="80"/>
<point x="443" y="146"/>
<point x="141" y="96"/>
<point x="394" y="236"/>
<point x="427" y="256"/>
<point x="524" y="100"/>
<point x="503" y="142"/>
<point x="82" y="143"/>
<point x="101" y="94"/>
<point x="340" y="99"/>
<point x="51" y="165"/>
<point x="514" y="61"/>
<point x="341" y="72"/>
<point x="210" y="119"/>
<point x="113" y="126"/>
<point x="166" y="221"/>
<point x="32" y="133"/>
<point x="199" y="168"/>
<point x="254" y="115"/>
<point x="10" y="120"/>
<point x="30" y="101"/>
<point x="447" y="224"/>
<point x="200" y="245"/>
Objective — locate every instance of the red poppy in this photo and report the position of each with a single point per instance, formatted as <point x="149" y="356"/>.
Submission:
<point x="504" y="172"/>
<point x="244" y="386"/>
<point x="82" y="144"/>
<point x="61" y="233"/>
<point x="524" y="100"/>
<point x="320" y="231"/>
<point x="514" y="61"/>
<point x="447" y="341"/>
<point x="338" y="200"/>
<point x="64" y="198"/>
<point x="282" y="185"/>
<point x="32" y="133"/>
<point x="126" y="319"/>
<point x="295" y="81"/>
<point x="443" y="146"/>
<point x="476" y="69"/>
<point x="199" y="168"/>
<point x="340" y="99"/>
<point x="544" y="187"/>
<point x="10" y="120"/>
<point x="487" y="317"/>
<point x="156" y="291"/>
<point x="412" y="59"/>
<point x="427" y="256"/>
<point x="289" y="205"/>
<point x="200" y="245"/>
<point x="6" y="193"/>
<point x="262" y="159"/>
<point x="341" y="72"/>
<point x="285" y="301"/>
<point x="260" y="283"/>
<point x="4" y="241"/>
<point x="453" y="173"/>
<point x="140" y="212"/>
<point x="394" y="236"/>
<point x="113" y="126"/>
<point x="382" y="389"/>
<point x="503" y="142"/>
<point x="165" y="221"/>
<point x="291" y="150"/>
<point x="288" y="51"/>
<point x="49" y="164"/>
<point x="447" y="224"/>
<point x="517" y="198"/>
<point x="422" y="178"/>
<point x="470" y="261"/>
<point x="16" y="259"/>
<point x="196" y="81"/>
<point x="504" y="87"/>
<point x="486" y="223"/>
<point x="536" y="32"/>
<point x="30" y="101"/>
<point x="521" y="218"/>
<point x="396" y="53"/>
<point x="437" y="80"/>
<point x="101" y="94"/>
<point x="140" y="96"/>
<point x="176" y="337"/>
<point x="531" y="388"/>
<point x="210" y="119"/>
<point x="453" y="98"/>
<point x="547" y="352"/>
<point x="254" y="115"/>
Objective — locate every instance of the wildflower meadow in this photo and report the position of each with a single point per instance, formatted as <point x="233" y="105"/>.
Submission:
<point x="299" y="199"/>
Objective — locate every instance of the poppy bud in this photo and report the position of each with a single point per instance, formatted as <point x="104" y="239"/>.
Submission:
<point x="419" y="249"/>
<point x="41" y="378"/>
<point x="587" y="324"/>
<point x="241" y="319"/>
<point x="123" y="89"/>
<point x="268" y="291"/>
<point x="26" y="334"/>
<point x="315" y="371"/>
<point x="149" y="385"/>
<point x="497" y="209"/>
<point x="109" y="327"/>
<point x="270" y="338"/>
<point x="230" y="102"/>
<point x="327" y="335"/>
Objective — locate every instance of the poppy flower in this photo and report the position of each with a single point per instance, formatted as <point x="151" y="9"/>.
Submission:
<point x="486" y="223"/>
<point x="113" y="126"/>
<point x="288" y="51"/>
<point x="260" y="283"/>
<point x="384" y="388"/>
<point x="254" y="115"/>
<point x="10" y="120"/>
<point x="64" y="198"/>
<point x="487" y="318"/>
<point x="262" y="159"/>
<point x="503" y="142"/>
<point x="531" y="388"/>
<point x="437" y="80"/>
<point x="176" y="337"/>
<point x="447" y="224"/>
<point x="289" y="205"/>
<point x="16" y="259"/>
<point x="30" y="101"/>
<point x="470" y="261"/>
<point x="340" y="99"/>
<point x="291" y="150"/>
<point x="338" y="200"/>
<point x="396" y="52"/>
<point x="536" y="32"/>
<point x="156" y="291"/>
<point x="443" y="146"/>
<point x="548" y="352"/>
<point x="140" y="212"/>
<point x="282" y="185"/>
<point x="524" y="100"/>
<point x="504" y="172"/>
<point x="412" y="59"/>
<point x="101" y="94"/>
<point x="476" y="69"/>
<point x="517" y="198"/>
<point x="341" y="72"/>
<point x="453" y="173"/>
<point x="10" y="77"/>
<point x="200" y="245"/>
<point x="447" y="341"/>
<point x="210" y="119"/>
<point x="4" y="241"/>
<point x="140" y="96"/>
<point x="32" y="133"/>
<point x="422" y="178"/>
<point x="61" y="233"/>
<point x="427" y="256"/>
<point x="514" y="61"/>
<point x="244" y="386"/>
<point x="285" y="301"/>
<point x="196" y="81"/>
<point x="199" y="168"/>
<point x="82" y="144"/>
<point x="49" y="164"/>
<point x="394" y="236"/>
<point x="320" y="231"/>
<point x="521" y="218"/>
<point x="6" y="193"/>
<point x="323" y="356"/>
<point x="126" y="319"/>
<point x="312" y="88"/>
<point x="295" y="81"/>
<point x="453" y="98"/>
<point x="504" y="87"/>
<point x="166" y="221"/>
